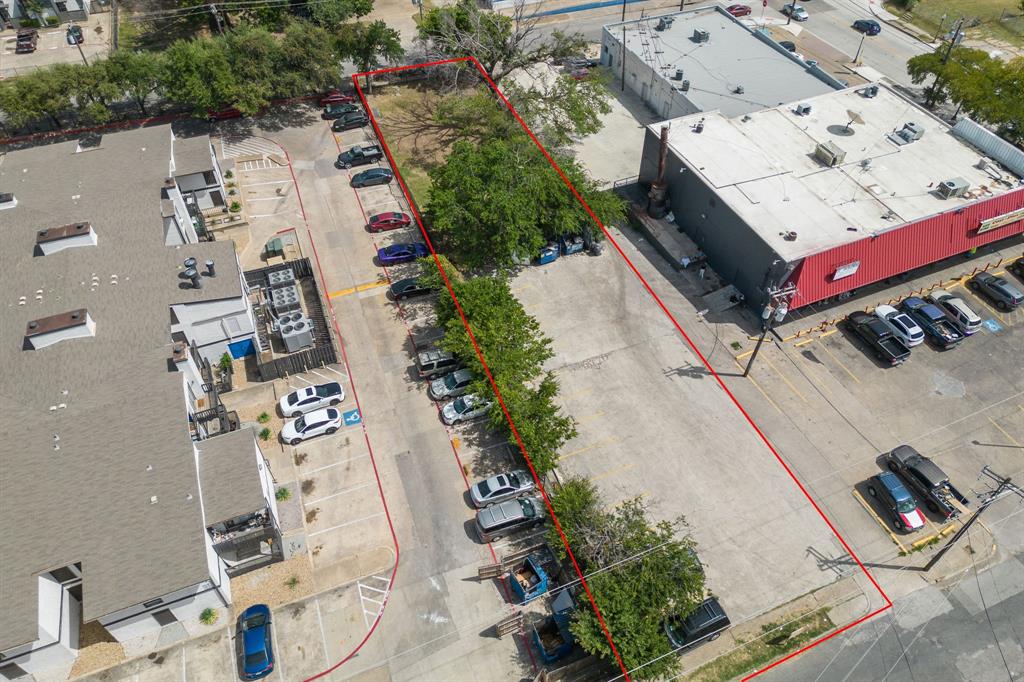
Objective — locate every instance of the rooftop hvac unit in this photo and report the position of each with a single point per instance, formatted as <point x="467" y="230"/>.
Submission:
<point x="664" y="23"/>
<point x="285" y="299"/>
<point x="700" y="35"/>
<point x="679" y="74"/>
<point x="912" y="131"/>
<point x="829" y="154"/>
<point x="803" y="110"/>
<point x="955" y="187"/>
<point x="281" y="277"/>
<point x="297" y="333"/>
<point x="684" y="86"/>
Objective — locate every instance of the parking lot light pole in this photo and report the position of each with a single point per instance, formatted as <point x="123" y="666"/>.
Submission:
<point x="856" y="58"/>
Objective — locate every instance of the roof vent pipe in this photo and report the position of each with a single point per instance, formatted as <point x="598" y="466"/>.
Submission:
<point x="209" y="269"/>
<point x="193" y="275"/>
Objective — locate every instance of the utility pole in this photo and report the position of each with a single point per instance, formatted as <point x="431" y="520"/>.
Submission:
<point x="624" y="9"/>
<point x="78" y="44"/>
<point x="775" y="311"/>
<point x="623" y="60"/>
<point x="953" y="41"/>
<point x="216" y="18"/>
<point x="1004" y="487"/>
<point x="856" y="57"/>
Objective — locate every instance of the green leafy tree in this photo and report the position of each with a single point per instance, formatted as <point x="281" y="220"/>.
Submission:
<point x="367" y="44"/>
<point x="43" y="93"/>
<point x="198" y="74"/>
<point x="498" y="202"/>
<point x="640" y="573"/>
<point x="942" y="71"/>
<point x="563" y="109"/>
<point x="502" y="44"/>
<point x="332" y="13"/>
<point x="136" y="74"/>
<point x="309" y="59"/>
<point x="254" y="56"/>
<point x="539" y="421"/>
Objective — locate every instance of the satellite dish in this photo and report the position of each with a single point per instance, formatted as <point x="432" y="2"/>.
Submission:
<point x="854" y="118"/>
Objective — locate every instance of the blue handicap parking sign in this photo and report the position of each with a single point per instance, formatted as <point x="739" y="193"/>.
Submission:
<point x="352" y="417"/>
<point x="993" y="326"/>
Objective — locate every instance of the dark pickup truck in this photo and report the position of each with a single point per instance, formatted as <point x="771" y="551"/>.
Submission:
<point x="360" y="155"/>
<point x="936" y="324"/>
<point x="887" y="346"/>
<point x="924" y="476"/>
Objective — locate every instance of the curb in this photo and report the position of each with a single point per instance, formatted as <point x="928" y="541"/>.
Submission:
<point x="896" y="24"/>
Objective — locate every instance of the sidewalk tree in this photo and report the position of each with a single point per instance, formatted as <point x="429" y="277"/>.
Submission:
<point x="137" y="74"/>
<point x="943" y="72"/>
<point x="197" y="73"/>
<point x="640" y="573"/>
<point x="495" y="203"/>
<point x="539" y="421"/>
<point x="332" y="13"/>
<point x="309" y="59"/>
<point x="367" y="44"/>
<point x="254" y="57"/>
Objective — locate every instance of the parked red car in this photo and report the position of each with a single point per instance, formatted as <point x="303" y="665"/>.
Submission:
<point x="738" y="10"/>
<point x="392" y="220"/>
<point x="336" y="97"/>
<point x="223" y="114"/>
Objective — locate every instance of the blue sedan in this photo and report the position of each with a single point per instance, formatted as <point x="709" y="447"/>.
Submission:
<point x="401" y="253"/>
<point x="256" y="656"/>
<point x="868" y="26"/>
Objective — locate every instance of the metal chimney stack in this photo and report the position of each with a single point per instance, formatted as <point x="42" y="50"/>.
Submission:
<point x="209" y="269"/>
<point x="193" y="274"/>
<point x="657" y="205"/>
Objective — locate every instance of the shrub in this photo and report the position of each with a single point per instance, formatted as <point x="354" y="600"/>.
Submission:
<point x="235" y="207"/>
<point x="265" y="434"/>
<point x="225" y="363"/>
<point x="283" y="494"/>
<point x="263" y="418"/>
<point x="292" y="582"/>
<point x="208" y="616"/>
<point x="229" y="174"/>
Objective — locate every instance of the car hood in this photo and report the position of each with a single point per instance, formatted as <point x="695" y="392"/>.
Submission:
<point x="913" y="519"/>
<point x="449" y="412"/>
<point x="289" y="430"/>
<point x="438" y="388"/>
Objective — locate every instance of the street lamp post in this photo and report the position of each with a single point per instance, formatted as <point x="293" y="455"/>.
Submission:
<point x="856" y="58"/>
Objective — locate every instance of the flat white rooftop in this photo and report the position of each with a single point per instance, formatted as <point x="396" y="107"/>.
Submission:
<point x="763" y="166"/>
<point x="734" y="71"/>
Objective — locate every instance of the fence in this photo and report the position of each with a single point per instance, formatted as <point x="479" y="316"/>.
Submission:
<point x="296" y="363"/>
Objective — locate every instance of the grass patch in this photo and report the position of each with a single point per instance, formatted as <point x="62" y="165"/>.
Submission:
<point x="775" y="641"/>
<point x="997" y="19"/>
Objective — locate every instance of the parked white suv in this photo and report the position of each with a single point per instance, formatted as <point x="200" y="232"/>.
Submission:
<point x="313" y="424"/>
<point x="901" y="324"/>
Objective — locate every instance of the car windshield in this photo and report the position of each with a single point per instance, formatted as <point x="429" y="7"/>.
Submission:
<point x="255" y="622"/>
<point x="906" y="505"/>
<point x="514" y="480"/>
<point x="300" y="424"/>
<point x="484" y="488"/>
<point x="529" y="511"/>
<point x="255" y="660"/>
<point x="450" y="381"/>
<point x="293" y="398"/>
<point x="325" y="390"/>
<point x="460" y="405"/>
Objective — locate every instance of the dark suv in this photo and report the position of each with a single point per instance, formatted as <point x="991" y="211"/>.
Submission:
<point x="26" y="42"/>
<point x="705" y="624"/>
<point x="887" y="488"/>
<point x="998" y="290"/>
<point x="360" y="155"/>
<point x="925" y="476"/>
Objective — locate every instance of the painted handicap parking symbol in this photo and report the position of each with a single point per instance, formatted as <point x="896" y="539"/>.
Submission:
<point x="993" y="326"/>
<point x="351" y="418"/>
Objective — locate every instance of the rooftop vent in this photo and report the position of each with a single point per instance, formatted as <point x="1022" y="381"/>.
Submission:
<point x="664" y="23"/>
<point x="738" y="90"/>
<point x="869" y="92"/>
<point x="47" y="331"/>
<point x="179" y="351"/>
<point x="701" y="36"/>
<point x="679" y="74"/>
<point x="54" y="239"/>
<point x="830" y="154"/>
<point x="910" y="132"/>
<point x="802" y="110"/>
<point x="955" y="187"/>
<point x="7" y="200"/>
<point x="684" y="86"/>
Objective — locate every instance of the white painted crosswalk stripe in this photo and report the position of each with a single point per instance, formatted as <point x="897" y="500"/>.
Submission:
<point x="248" y="147"/>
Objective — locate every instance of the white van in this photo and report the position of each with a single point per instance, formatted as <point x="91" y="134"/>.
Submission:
<point x="965" y="319"/>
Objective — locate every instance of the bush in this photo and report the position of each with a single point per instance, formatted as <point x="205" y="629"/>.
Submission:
<point x="208" y="616"/>
<point x="292" y="582"/>
<point x="225" y="363"/>
<point x="283" y="494"/>
<point x="29" y="23"/>
<point x="235" y="207"/>
<point x="263" y="418"/>
<point x="265" y="434"/>
<point x="229" y="174"/>
<point x="52" y="21"/>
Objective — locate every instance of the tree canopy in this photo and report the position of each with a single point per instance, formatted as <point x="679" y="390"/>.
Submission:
<point x="495" y="203"/>
<point x="639" y="572"/>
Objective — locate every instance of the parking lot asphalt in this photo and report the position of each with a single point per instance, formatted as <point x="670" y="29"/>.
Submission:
<point x="53" y="47"/>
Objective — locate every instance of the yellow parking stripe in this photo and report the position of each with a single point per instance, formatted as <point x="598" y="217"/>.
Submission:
<point x="839" y="362"/>
<point x="611" y="472"/>
<point x="580" y="451"/>
<point x="883" y="524"/>
<point x="785" y="378"/>
<point x="760" y="390"/>
<point x="1003" y="431"/>
<point x="359" y="287"/>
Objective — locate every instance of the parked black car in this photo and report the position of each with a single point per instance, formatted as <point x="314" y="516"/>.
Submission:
<point x="1005" y="295"/>
<point x="1017" y="267"/>
<point x="353" y="119"/>
<point x="886" y="345"/>
<point x="924" y="476"/>
<point x="407" y="288"/>
<point x="705" y="624"/>
<point x="339" y="109"/>
<point x="867" y="26"/>
<point x="360" y="155"/>
<point x="374" y="176"/>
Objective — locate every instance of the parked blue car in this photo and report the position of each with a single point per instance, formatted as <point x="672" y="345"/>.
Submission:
<point x="868" y="26"/>
<point x="401" y="253"/>
<point x="256" y="654"/>
<point x="374" y="176"/>
<point x="935" y="323"/>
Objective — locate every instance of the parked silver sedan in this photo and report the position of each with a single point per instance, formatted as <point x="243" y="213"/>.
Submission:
<point x="500" y="488"/>
<point x="465" y="408"/>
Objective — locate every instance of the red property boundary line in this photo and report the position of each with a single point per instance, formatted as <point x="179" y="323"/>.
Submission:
<point x="668" y="314"/>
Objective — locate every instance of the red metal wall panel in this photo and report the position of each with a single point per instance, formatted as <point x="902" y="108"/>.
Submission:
<point x="905" y="248"/>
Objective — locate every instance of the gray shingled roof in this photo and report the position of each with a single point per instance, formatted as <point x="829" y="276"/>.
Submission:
<point x="231" y="483"/>
<point x="112" y="400"/>
<point x="192" y="155"/>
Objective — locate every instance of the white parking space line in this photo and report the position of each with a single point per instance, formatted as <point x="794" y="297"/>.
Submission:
<point x="301" y="378"/>
<point x="323" y="635"/>
<point x="347" y="523"/>
<point x="267" y="215"/>
<point x="277" y="647"/>
<point x="331" y="369"/>
<point x="184" y="673"/>
<point x="373" y="613"/>
<point x="313" y="371"/>
<point x="334" y="464"/>
<point x="340" y="492"/>
<point x="268" y="182"/>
